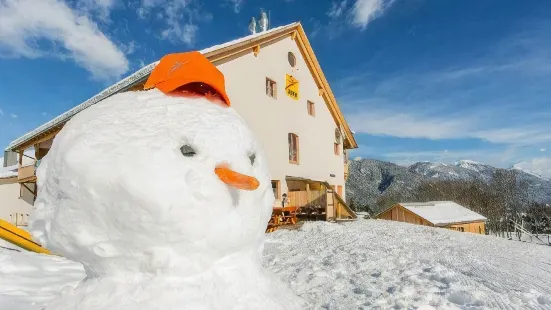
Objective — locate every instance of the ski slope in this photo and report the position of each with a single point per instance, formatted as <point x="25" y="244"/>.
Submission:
<point x="367" y="264"/>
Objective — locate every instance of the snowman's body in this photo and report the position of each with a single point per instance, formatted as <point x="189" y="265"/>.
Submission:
<point x="151" y="222"/>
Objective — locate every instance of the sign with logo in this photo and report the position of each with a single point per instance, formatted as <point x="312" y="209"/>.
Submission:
<point x="291" y="86"/>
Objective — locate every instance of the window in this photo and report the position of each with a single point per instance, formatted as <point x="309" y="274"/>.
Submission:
<point x="276" y="189"/>
<point x="270" y="88"/>
<point x="292" y="59"/>
<point x="337" y="149"/>
<point x="293" y="148"/>
<point x="311" y="108"/>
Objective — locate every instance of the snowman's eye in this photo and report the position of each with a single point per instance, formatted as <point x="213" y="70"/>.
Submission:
<point x="187" y="151"/>
<point x="252" y="158"/>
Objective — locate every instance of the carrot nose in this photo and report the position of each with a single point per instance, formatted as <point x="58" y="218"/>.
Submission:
<point x="236" y="179"/>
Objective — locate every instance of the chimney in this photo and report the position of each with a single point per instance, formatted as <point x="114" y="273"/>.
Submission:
<point x="263" y="22"/>
<point x="252" y="25"/>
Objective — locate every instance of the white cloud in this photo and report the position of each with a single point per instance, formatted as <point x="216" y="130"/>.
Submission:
<point x="403" y="123"/>
<point x="237" y="5"/>
<point x="365" y="11"/>
<point x="540" y="166"/>
<point x="176" y="32"/>
<point x="179" y="16"/>
<point x="100" y="7"/>
<point x="13" y="115"/>
<point x="129" y="48"/>
<point x="25" y="23"/>
<point x="406" y="125"/>
<point x="337" y="9"/>
<point x="1" y="112"/>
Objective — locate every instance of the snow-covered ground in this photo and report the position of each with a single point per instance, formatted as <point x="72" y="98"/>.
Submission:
<point x="367" y="264"/>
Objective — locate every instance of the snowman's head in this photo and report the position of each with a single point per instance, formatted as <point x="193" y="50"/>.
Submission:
<point x="147" y="182"/>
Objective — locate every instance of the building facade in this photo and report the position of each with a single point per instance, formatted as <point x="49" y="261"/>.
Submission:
<point x="276" y="84"/>
<point x="15" y="200"/>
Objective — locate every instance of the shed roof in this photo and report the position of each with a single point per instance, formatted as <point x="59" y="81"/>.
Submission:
<point x="442" y="213"/>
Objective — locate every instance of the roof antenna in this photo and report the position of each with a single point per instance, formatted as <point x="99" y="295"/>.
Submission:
<point x="252" y="25"/>
<point x="263" y="21"/>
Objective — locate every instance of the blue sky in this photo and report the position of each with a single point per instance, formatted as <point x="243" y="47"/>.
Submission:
<point x="417" y="80"/>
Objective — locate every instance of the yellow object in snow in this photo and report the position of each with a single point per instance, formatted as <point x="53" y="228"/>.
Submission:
<point x="20" y="237"/>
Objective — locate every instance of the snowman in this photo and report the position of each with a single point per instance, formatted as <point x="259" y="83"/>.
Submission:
<point x="164" y="196"/>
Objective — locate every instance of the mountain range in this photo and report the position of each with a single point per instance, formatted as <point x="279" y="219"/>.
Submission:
<point x="369" y="179"/>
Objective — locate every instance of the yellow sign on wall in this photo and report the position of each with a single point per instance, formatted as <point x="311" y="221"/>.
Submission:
<point x="291" y="87"/>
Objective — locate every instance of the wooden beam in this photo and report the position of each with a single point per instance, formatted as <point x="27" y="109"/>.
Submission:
<point x="232" y="50"/>
<point x="36" y="150"/>
<point x="32" y="192"/>
<point x="48" y="135"/>
<point x="308" y="195"/>
<point x="256" y="50"/>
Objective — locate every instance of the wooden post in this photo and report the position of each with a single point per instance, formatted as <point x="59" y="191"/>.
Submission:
<point x="36" y="151"/>
<point x="308" y="195"/>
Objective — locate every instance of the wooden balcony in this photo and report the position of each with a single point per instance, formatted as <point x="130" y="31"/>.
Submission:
<point x="26" y="174"/>
<point x="346" y="169"/>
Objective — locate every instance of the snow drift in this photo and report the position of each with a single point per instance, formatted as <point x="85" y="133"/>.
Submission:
<point x="367" y="264"/>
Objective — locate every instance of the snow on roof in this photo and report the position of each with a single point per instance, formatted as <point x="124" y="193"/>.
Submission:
<point x="124" y="84"/>
<point x="442" y="212"/>
<point x="8" y="172"/>
<point x="243" y="39"/>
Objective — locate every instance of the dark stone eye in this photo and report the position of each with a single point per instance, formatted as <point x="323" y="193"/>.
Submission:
<point x="252" y="158"/>
<point x="187" y="151"/>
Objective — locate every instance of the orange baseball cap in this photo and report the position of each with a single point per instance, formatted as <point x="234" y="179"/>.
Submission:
<point x="177" y="70"/>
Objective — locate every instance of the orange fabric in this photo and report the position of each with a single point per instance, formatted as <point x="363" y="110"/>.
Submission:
<point x="176" y="70"/>
<point x="236" y="179"/>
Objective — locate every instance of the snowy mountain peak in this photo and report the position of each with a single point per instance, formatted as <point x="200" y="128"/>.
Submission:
<point x="540" y="167"/>
<point x="469" y="162"/>
<point x="521" y="169"/>
<point x="369" y="178"/>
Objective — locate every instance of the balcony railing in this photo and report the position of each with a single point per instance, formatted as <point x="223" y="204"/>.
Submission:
<point x="26" y="173"/>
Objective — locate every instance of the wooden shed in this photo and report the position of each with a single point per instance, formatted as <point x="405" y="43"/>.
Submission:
<point x="445" y="214"/>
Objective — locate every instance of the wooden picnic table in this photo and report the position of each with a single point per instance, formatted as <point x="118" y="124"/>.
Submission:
<point x="282" y="216"/>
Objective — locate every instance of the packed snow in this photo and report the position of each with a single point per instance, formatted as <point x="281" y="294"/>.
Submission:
<point x="367" y="264"/>
<point x="129" y="190"/>
<point x="443" y="212"/>
<point x="377" y="264"/>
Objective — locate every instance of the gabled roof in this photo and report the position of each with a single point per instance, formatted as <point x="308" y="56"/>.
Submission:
<point x="214" y="53"/>
<point x="441" y="213"/>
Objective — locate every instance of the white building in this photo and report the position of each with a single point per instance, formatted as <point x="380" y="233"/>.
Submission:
<point x="15" y="200"/>
<point x="275" y="82"/>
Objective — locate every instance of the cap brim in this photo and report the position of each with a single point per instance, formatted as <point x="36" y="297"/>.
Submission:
<point x="170" y="85"/>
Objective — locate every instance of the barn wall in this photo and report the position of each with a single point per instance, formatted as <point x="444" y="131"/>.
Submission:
<point x="400" y="214"/>
<point x="476" y="227"/>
